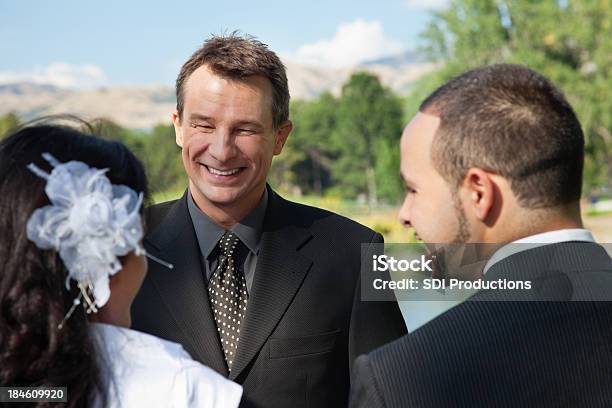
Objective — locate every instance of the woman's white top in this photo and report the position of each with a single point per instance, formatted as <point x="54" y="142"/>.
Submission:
<point x="142" y="370"/>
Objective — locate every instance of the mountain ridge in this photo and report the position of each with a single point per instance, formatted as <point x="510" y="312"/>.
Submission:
<point x="142" y="107"/>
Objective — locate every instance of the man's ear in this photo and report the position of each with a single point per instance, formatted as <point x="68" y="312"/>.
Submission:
<point x="479" y="192"/>
<point x="176" y="120"/>
<point x="281" y="136"/>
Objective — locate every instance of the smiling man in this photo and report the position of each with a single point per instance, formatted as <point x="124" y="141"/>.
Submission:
<point x="263" y="290"/>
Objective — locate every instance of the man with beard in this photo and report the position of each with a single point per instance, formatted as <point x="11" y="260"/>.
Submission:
<point x="495" y="156"/>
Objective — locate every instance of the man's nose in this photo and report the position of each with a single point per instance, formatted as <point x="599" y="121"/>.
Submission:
<point x="404" y="213"/>
<point x="223" y="146"/>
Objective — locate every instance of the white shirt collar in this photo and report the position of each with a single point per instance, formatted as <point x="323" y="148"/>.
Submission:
<point x="537" y="240"/>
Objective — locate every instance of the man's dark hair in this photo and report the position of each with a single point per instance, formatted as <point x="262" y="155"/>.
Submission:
<point x="237" y="57"/>
<point x="512" y="121"/>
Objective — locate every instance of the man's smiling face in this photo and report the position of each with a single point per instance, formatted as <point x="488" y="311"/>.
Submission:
<point x="228" y="138"/>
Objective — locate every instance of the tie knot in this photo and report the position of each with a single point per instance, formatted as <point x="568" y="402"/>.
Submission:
<point x="227" y="243"/>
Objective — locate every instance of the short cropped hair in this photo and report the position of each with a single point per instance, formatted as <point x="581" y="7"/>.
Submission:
<point x="510" y="120"/>
<point x="238" y="57"/>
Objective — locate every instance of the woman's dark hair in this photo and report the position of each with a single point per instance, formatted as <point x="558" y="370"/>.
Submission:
<point x="33" y="295"/>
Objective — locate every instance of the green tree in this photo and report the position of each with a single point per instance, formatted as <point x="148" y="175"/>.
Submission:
<point x="312" y="136"/>
<point x="110" y="130"/>
<point x="162" y="159"/>
<point x="369" y="124"/>
<point x="568" y="41"/>
<point x="8" y="122"/>
<point x="307" y="159"/>
<point x="282" y="173"/>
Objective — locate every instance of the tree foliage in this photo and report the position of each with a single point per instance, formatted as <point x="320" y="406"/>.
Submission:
<point x="307" y="160"/>
<point x="368" y="132"/>
<point x="568" y="41"/>
<point x="346" y="146"/>
<point x="8" y="122"/>
<point x="163" y="160"/>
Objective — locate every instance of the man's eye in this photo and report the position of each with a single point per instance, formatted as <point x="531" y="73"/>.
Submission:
<point x="202" y="127"/>
<point x="245" y="131"/>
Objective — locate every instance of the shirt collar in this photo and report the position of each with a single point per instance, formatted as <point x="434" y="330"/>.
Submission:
<point x="248" y="230"/>
<point x="207" y="232"/>
<point x="538" y="240"/>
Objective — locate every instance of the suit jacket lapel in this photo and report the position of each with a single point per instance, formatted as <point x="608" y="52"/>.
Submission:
<point x="183" y="288"/>
<point x="279" y="273"/>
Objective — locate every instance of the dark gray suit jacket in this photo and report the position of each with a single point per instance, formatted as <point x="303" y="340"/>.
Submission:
<point x="504" y="349"/>
<point x="305" y="322"/>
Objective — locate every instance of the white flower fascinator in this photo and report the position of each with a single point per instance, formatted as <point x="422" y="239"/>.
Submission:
<point x="90" y="223"/>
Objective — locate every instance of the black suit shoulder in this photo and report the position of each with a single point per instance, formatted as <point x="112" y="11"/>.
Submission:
<point x="501" y="354"/>
<point x="504" y="353"/>
<point x="154" y="214"/>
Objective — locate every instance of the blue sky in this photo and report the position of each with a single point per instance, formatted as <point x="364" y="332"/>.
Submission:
<point x="85" y="44"/>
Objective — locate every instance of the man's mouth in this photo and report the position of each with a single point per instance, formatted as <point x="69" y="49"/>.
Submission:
<point x="220" y="172"/>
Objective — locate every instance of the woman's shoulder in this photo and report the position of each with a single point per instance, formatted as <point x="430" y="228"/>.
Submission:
<point x="134" y="359"/>
<point x="122" y="340"/>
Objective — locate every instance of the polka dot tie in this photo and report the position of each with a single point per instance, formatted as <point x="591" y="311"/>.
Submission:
<point x="228" y="296"/>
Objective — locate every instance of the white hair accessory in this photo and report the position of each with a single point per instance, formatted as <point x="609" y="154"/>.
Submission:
<point x="90" y="223"/>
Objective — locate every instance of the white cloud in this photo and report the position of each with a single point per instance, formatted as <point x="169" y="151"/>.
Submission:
<point x="352" y="43"/>
<point x="60" y="74"/>
<point x="427" y="4"/>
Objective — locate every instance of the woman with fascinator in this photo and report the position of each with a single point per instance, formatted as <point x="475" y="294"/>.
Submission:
<point x="72" y="262"/>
